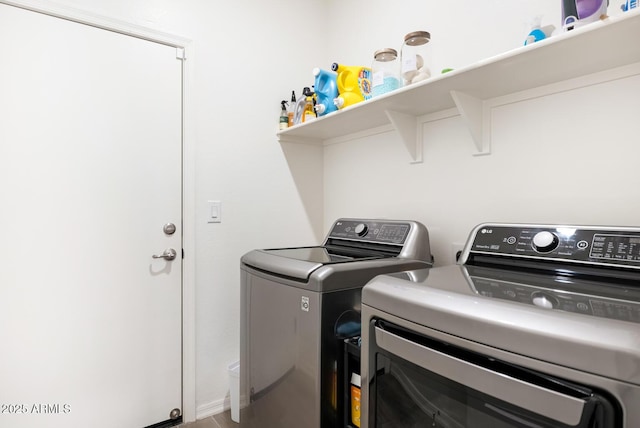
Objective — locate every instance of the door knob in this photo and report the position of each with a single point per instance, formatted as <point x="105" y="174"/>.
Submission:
<point x="168" y="254"/>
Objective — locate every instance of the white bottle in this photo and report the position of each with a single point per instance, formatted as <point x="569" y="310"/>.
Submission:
<point x="292" y="109"/>
<point x="284" y="116"/>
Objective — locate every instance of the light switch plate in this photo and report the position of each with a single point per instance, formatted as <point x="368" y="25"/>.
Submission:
<point x="214" y="212"/>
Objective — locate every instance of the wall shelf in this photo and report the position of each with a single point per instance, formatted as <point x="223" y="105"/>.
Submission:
<point x="603" y="45"/>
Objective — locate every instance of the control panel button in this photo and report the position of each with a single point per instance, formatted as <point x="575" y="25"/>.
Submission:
<point x="544" y="300"/>
<point x="582" y="306"/>
<point x="361" y="229"/>
<point x="545" y="241"/>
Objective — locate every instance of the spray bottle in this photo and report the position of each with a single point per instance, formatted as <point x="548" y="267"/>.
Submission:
<point x="284" y="116"/>
<point x="292" y="109"/>
<point x="309" y="111"/>
<point x="326" y="91"/>
<point x="354" y="84"/>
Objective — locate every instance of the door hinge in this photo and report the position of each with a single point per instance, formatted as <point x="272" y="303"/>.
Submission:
<point x="181" y="54"/>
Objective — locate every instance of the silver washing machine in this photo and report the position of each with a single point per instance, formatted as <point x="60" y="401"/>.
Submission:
<point x="538" y="326"/>
<point x="297" y="307"/>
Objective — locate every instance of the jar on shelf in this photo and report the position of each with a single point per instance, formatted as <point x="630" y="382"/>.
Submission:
<point x="416" y="57"/>
<point x="385" y="71"/>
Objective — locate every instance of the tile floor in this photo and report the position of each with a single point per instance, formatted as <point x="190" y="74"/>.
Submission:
<point x="221" y="420"/>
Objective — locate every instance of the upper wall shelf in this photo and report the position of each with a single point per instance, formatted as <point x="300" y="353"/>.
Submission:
<point x="603" y="45"/>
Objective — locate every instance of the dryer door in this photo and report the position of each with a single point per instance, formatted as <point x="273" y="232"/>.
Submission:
<point x="423" y="382"/>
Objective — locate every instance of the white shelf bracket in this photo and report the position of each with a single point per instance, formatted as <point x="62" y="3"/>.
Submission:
<point x="476" y="115"/>
<point x="410" y="132"/>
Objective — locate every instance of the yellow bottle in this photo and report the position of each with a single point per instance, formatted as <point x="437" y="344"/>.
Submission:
<point x="309" y="111"/>
<point x="354" y="84"/>
<point x="291" y="111"/>
<point x="355" y="399"/>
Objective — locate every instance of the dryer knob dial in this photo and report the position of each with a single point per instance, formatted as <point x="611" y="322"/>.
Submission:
<point x="545" y="242"/>
<point x="361" y="229"/>
<point x="544" y="300"/>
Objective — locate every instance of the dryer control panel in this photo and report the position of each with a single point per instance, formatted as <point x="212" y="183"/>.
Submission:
<point x="582" y="244"/>
<point x="621" y="304"/>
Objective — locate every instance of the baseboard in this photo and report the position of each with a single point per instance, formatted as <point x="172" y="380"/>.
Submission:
<point x="217" y="406"/>
<point x="213" y="408"/>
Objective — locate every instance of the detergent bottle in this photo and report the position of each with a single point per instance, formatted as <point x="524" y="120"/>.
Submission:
<point x="538" y="32"/>
<point x="326" y="88"/>
<point x="354" y="84"/>
<point x="576" y="13"/>
<point x="309" y="111"/>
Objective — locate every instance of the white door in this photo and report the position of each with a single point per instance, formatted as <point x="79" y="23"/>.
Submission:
<point x="90" y="172"/>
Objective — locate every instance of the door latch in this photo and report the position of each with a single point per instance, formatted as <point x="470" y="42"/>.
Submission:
<point x="168" y="254"/>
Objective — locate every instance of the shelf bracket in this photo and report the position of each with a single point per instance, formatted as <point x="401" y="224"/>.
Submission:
<point x="475" y="114"/>
<point x="410" y="132"/>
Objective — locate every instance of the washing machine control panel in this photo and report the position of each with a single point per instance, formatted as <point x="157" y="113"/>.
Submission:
<point x="371" y="231"/>
<point x="592" y="245"/>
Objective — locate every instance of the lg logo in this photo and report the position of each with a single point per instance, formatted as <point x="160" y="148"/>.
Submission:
<point x="486" y="231"/>
<point x="304" y="304"/>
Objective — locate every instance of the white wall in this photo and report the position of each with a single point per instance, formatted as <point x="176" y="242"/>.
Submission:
<point x="564" y="158"/>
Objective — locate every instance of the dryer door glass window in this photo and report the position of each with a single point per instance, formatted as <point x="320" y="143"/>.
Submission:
<point x="468" y="390"/>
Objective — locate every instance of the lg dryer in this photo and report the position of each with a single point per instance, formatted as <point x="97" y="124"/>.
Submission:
<point x="298" y="305"/>
<point x="538" y="326"/>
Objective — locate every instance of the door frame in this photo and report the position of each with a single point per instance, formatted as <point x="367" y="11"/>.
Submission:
<point x="184" y="48"/>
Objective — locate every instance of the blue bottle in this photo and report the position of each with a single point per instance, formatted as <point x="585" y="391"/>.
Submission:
<point x="326" y="88"/>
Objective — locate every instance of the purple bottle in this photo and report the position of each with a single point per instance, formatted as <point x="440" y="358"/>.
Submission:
<point x="576" y="13"/>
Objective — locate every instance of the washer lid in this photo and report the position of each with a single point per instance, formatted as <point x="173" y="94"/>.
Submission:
<point x="299" y="263"/>
<point x="322" y="255"/>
